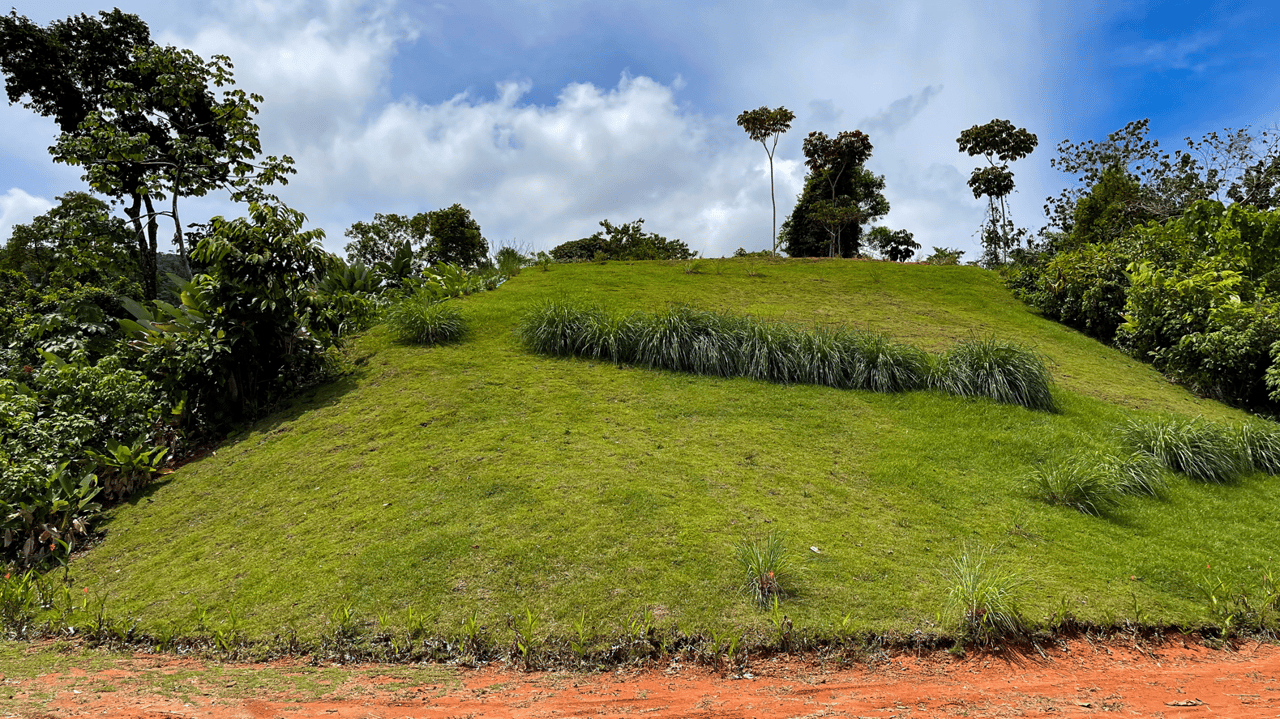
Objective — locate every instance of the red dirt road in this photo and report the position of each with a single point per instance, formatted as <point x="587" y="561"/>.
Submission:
<point x="1176" y="678"/>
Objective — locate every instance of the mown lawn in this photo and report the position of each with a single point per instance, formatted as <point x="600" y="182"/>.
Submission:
<point x="478" y="477"/>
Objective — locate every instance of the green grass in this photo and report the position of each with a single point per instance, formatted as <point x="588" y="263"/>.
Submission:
<point x="481" y="477"/>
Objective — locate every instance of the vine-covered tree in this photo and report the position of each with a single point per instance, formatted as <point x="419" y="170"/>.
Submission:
<point x="78" y="241"/>
<point x="802" y="235"/>
<point x="762" y="125"/>
<point x="382" y="242"/>
<point x="996" y="140"/>
<point x="142" y="120"/>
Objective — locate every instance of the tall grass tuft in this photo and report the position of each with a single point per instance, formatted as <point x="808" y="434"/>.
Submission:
<point x="982" y="596"/>
<point x="559" y="328"/>
<point x="1260" y="443"/>
<point x="769" y="351"/>
<point x="766" y="567"/>
<point x="422" y="319"/>
<point x="1080" y="485"/>
<point x="1134" y="473"/>
<point x="882" y="365"/>
<point x="1204" y="451"/>
<point x="1003" y="371"/>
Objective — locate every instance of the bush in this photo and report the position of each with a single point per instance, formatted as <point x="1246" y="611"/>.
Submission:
<point x="1204" y="451"/>
<point x="422" y="319"/>
<point x="1003" y="371"/>
<point x="1136" y="473"/>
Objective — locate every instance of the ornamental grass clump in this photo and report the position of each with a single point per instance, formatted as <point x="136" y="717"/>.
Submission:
<point x="1260" y="442"/>
<point x="1080" y="485"/>
<point x="1204" y="451"/>
<point x="982" y="597"/>
<point x="1133" y="473"/>
<point x="422" y="319"/>
<point x="882" y="365"/>
<point x="766" y="568"/>
<point x="1003" y="371"/>
<point x="683" y="338"/>
<point x="769" y="351"/>
<point x="558" y="328"/>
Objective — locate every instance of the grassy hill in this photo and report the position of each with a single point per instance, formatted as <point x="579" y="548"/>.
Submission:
<point x="478" y="477"/>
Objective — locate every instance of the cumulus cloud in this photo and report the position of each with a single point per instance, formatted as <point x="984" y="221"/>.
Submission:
<point x="541" y="164"/>
<point x="18" y="208"/>
<point x="540" y="175"/>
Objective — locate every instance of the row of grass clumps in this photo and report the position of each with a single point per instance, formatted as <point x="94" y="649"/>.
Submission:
<point x="689" y="339"/>
<point x="1203" y="451"/>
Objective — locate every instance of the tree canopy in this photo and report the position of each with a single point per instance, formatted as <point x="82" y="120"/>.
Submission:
<point x="627" y="241"/>
<point x="142" y="120"/>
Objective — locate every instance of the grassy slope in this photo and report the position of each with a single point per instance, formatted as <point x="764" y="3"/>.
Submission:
<point x="480" y="477"/>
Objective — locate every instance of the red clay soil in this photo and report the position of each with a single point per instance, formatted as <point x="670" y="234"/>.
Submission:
<point x="1175" y="678"/>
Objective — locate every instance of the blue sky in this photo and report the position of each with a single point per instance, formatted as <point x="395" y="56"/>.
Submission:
<point x="545" y="117"/>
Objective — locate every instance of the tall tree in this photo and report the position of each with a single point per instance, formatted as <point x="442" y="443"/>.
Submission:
<point x="762" y="125"/>
<point x="456" y="238"/>
<point x="996" y="140"/>
<point x="378" y="242"/>
<point x="803" y="236"/>
<point x="830" y="158"/>
<point x="142" y="120"/>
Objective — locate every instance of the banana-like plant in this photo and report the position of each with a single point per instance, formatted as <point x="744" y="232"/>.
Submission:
<point x="126" y="468"/>
<point x="53" y="513"/>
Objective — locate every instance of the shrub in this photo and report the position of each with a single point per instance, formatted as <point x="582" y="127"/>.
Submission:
<point x="559" y="328"/>
<point x="420" y="319"/>
<point x="766" y="567"/>
<point x="1204" y="451"/>
<point x="1003" y="371"/>
<point x="983" y="596"/>
<point x="1079" y="485"/>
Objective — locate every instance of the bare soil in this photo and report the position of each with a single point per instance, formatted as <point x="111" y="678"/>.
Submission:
<point x="1177" y="677"/>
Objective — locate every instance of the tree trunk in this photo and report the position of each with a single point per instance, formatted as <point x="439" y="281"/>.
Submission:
<point x="146" y="259"/>
<point x="177" y="233"/>
<point x="153" y="227"/>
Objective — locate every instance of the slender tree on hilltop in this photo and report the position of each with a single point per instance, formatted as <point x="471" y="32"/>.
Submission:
<point x="763" y="124"/>
<point x="997" y="139"/>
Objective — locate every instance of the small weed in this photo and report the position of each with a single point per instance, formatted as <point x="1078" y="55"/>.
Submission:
<point x="982" y="596"/>
<point x="524" y="629"/>
<point x="767" y="567"/>
<point x="579" y="641"/>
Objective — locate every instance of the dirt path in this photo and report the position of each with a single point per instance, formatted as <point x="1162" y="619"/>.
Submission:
<point x="1178" y="678"/>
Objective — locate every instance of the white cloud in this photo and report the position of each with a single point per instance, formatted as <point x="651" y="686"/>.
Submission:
<point x="543" y="175"/>
<point x="668" y="151"/>
<point x="18" y="208"/>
